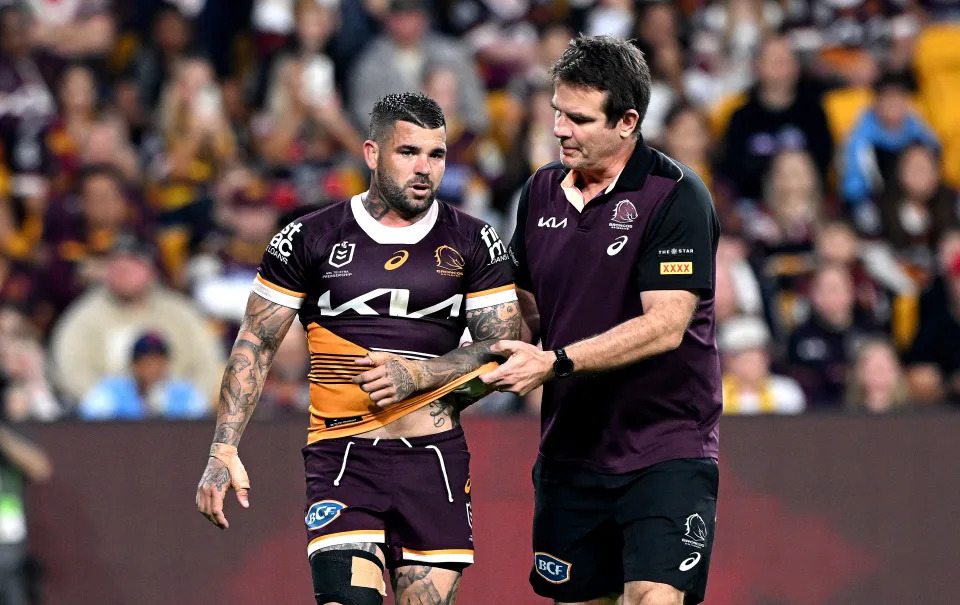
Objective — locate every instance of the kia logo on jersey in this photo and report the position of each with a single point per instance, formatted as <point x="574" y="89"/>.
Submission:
<point x="552" y="569"/>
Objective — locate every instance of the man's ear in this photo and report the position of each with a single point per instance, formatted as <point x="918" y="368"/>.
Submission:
<point x="371" y="153"/>
<point x="629" y="124"/>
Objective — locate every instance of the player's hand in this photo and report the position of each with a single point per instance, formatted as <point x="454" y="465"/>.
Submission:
<point x="224" y="471"/>
<point x="527" y="367"/>
<point x="392" y="378"/>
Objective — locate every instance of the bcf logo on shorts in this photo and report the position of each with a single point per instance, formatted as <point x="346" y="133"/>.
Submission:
<point x="323" y="513"/>
<point x="551" y="568"/>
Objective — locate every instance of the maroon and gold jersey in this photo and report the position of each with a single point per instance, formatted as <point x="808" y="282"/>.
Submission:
<point x="360" y="287"/>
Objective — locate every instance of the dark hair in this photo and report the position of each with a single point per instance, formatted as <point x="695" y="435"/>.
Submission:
<point x="106" y="170"/>
<point x="413" y="107"/>
<point x="898" y="80"/>
<point x="610" y="65"/>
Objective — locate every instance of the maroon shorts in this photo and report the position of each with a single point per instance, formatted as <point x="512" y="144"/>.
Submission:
<point x="411" y="496"/>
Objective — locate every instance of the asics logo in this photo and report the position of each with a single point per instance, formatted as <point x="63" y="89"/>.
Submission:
<point x="690" y="562"/>
<point x="399" y="257"/>
<point x="617" y="245"/>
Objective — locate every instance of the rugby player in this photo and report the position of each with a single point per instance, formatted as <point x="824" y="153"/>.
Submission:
<point x="614" y="251"/>
<point x="385" y="284"/>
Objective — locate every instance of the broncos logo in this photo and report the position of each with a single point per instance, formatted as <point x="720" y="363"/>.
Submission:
<point x="625" y="212"/>
<point x="696" y="528"/>
<point x="449" y="259"/>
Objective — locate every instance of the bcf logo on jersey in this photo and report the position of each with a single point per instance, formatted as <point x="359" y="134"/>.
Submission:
<point x="281" y="246"/>
<point x="551" y="568"/>
<point x="323" y="513"/>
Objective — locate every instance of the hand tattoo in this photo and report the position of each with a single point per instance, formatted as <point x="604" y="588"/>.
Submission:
<point x="216" y="473"/>
<point x="405" y="377"/>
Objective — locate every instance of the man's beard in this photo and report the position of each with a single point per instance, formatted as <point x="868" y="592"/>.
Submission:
<point x="395" y="196"/>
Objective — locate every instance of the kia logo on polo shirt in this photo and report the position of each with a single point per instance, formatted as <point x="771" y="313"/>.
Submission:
<point x="551" y="222"/>
<point x="552" y="569"/>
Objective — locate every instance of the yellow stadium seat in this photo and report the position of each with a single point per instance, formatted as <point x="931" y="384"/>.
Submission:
<point x="937" y="50"/>
<point x="843" y="107"/>
<point x="722" y="111"/>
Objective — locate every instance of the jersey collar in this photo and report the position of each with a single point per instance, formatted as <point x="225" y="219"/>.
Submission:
<point x="381" y="234"/>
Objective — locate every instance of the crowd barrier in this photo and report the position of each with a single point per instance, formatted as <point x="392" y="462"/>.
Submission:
<point x="813" y="510"/>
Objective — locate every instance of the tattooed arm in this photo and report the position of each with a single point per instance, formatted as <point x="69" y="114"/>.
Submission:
<point x="264" y="326"/>
<point x="395" y="378"/>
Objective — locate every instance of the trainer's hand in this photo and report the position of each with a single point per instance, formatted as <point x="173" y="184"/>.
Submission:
<point x="392" y="378"/>
<point x="527" y="367"/>
<point x="224" y="470"/>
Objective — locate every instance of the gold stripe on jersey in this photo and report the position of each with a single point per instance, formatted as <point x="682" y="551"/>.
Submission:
<point x="339" y="408"/>
<point x="490" y="291"/>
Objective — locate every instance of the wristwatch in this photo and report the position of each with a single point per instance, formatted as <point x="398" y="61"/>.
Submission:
<point x="563" y="366"/>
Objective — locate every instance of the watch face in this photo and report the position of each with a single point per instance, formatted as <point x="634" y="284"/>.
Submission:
<point x="563" y="367"/>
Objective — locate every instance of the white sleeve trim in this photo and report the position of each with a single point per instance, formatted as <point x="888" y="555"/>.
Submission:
<point x="479" y="302"/>
<point x="273" y="296"/>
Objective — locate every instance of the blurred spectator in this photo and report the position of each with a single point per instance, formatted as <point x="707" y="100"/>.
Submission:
<point x="737" y="291"/>
<point x="73" y="30"/>
<point x="146" y="390"/>
<point x="686" y="138"/>
<point x="108" y="144"/>
<point x="658" y="33"/>
<point x="821" y="349"/>
<point x="725" y="41"/>
<point x="21" y="288"/>
<point x="748" y="385"/>
<point x="67" y="138"/>
<point x="400" y="60"/>
<point x="499" y="34"/>
<point x="781" y="113"/>
<point x="611" y="18"/>
<point x="877" y="382"/>
<point x="93" y="338"/>
<point x="792" y="203"/>
<point x="21" y="461"/>
<point x="933" y="361"/>
<point x="221" y="273"/>
<point x="917" y="209"/>
<point x="850" y="38"/>
<point x="882" y="132"/>
<point x="157" y="61"/>
<point x="27" y="394"/>
<point x="80" y="229"/>
<point x="286" y="390"/>
<point x="26" y="104"/>
<point x="462" y="184"/>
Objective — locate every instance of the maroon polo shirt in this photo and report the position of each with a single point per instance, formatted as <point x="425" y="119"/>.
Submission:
<point x="654" y="229"/>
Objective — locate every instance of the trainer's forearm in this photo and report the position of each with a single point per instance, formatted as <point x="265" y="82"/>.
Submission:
<point x="530" y="317"/>
<point x="487" y="326"/>
<point x="261" y="333"/>
<point x="658" y="331"/>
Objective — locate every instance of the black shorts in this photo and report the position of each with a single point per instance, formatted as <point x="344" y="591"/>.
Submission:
<point x="593" y="532"/>
<point x="411" y="496"/>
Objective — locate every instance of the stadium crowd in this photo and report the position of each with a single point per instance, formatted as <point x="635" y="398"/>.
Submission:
<point x="150" y="150"/>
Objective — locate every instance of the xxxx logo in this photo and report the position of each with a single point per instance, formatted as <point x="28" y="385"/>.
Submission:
<point x="676" y="268"/>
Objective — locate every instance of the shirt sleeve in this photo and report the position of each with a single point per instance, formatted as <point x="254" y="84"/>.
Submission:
<point x="281" y="277"/>
<point x="681" y="241"/>
<point x="518" y="245"/>
<point x="489" y="275"/>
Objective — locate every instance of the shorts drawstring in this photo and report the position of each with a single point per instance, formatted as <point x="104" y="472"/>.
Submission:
<point x="343" y="467"/>
<point x="443" y="469"/>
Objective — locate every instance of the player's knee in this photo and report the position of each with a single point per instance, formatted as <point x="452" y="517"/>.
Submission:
<point x="651" y="593"/>
<point x="347" y="577"/>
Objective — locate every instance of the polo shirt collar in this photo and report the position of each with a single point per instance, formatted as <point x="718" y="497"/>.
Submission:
<point x="631" y="178"/>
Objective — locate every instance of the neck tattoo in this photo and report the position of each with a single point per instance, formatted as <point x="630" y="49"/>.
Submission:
<point x="374" y="206"/>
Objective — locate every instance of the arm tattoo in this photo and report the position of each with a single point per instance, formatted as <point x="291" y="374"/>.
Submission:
<point x="375" y="206"/>
<point x="263" y="328"/>
<point x="404" y="377"/>
<point x="487" y="325"/>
